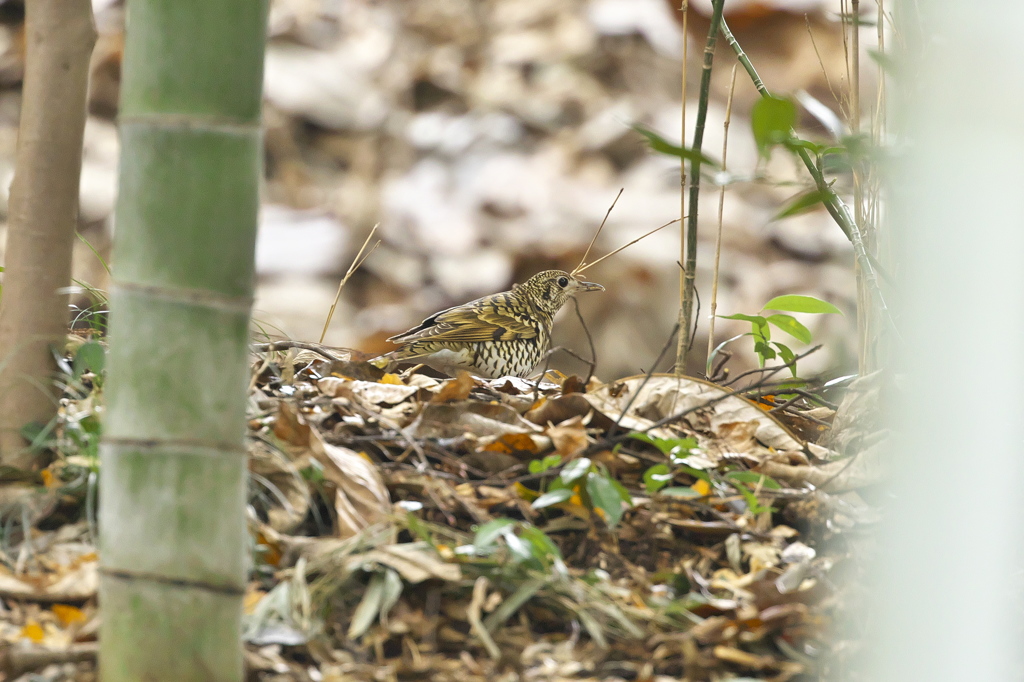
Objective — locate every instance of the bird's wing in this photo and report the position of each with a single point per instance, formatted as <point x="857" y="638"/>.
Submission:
<point x="492" y="318"/>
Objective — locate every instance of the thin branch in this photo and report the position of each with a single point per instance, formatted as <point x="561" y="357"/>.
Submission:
<point x="597" y="234"/>
<point x="833" y="203"/>
<point x="581" y="268"/>
<point x="302" y="345"/>
<point x="590" y="342"/>
<point x="698" y="141"/>
<point x="721" y="210"/>
<point x="356" y="262"/>
<point x="685" y="8"/>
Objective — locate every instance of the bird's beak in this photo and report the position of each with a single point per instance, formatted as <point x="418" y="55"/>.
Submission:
<point x="590" y="286"/>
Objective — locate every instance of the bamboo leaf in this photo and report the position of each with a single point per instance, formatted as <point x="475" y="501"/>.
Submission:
<point x="660" y="144"/>
<point x="605" y="497"/>
<point x="801" y="304"/>
<point x="791" y="326"/>
<point x="801" y="203"/>
<point x="772" y="119"/>
<point x="552" y="497"/>
<point x="369" y="607"/>
<point x="574" y="470"/>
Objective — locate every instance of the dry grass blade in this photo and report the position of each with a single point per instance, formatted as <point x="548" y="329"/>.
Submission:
<point x="598" y="233"/>
<point x="356" y="262"/>
<point x="584" y="266"/>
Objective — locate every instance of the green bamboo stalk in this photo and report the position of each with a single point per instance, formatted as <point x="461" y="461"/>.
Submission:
<point x="173" y="475"/>
<point x="836" y="207"/>
<point x="690" y="265"/>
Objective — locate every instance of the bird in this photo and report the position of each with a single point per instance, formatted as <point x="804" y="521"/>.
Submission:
<point x="504" y="334"/>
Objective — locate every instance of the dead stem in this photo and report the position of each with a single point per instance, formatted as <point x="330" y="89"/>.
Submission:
<point x="586" y="266"/>
<point x="598" y="233"/>
<point x="721" y="209"/>
<point x="356" y="262"/>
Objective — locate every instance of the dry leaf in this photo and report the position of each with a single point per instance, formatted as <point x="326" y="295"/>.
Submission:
<point x="361" y="498"/>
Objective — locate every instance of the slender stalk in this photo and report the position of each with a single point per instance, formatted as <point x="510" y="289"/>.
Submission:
<point x="356" y="262"/>
<point x="690" y="264"/>
<point x="43" y="215"/>
<point x="836" y="207"/>
<point x="684" y="81"/>
<point x="721" y="210"/>
<point x="173" y="457"/>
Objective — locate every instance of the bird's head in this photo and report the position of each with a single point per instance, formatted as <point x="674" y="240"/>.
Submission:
<point x="550" y="289"/>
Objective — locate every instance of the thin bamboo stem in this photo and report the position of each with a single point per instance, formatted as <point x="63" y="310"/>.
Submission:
<point x="690" y="264"/>
<point x="681" y="347"/>
<point x="721" y="211"/>
<point x="834" y="204"/>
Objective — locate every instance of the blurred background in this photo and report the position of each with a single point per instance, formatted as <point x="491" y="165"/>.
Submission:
<point x="488" y="138"/>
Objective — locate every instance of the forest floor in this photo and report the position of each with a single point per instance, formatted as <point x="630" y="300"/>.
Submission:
<point x="406" y="527"/>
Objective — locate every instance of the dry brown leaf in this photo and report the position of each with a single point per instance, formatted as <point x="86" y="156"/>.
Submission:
<point x="361" y="498"/>
<point x="569" y="437"/>
<point x="455" y="389"/>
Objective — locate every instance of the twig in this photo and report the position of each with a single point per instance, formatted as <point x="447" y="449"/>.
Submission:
<point x="590" y="342"/>
<point x="581" y="268"/>
<point x="690" y="274"/>
<point x="774" y="369"/>
<point x="721" y="210"/>
<point x="609" y="441"/>
<point x="597" y="234"/>
<point x="302" y="345"/>
<point x="356" y="262"/>
<point x="685" y="9"/>
<point x="475" y="623"/>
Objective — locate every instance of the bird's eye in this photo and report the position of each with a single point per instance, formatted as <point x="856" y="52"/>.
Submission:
<point x="563" y="282"/>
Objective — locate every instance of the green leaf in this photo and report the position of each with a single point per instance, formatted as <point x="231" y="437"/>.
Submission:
<point x="764" y="352"/>
<point x="538" y="466"/>
<point x="696" y="473"/>
<point x="758" y="325"/>
<point x="753" y="504"/>
<point x="787" y="355"/>
<point x="887" y="63"/>
<point x="488" y="533"/>
<point x="668" y="446"/>
<point x="754" y="478"/>
<point x="660" y="144"/>
<point x="574" y="470"/>
<point x="605" y="497"/>
<point x="772" y="119"/>
<point x="519" y="549"/>
<point x="801" y="304"/>
<point x="801" y="203"/>
<point x="90" y="358"/>
<point x="795" y="144"/>
<point x="657" y="477"/>
<point x="791" y="326"/>
<point x="543" y="548"/>
<point x="552" y="497"/>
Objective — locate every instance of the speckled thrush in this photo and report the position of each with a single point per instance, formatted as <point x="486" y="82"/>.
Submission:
<point x="505" y="334"/>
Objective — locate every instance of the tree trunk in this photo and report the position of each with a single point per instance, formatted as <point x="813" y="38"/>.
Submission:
<point x="173" y="474"/>
<point x="43" y="215"/>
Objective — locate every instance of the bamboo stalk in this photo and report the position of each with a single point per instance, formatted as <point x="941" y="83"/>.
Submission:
<point x="684" y="82"/>
<point x="833" y="203"/>
<point x="173" y="457"/>
<point x="721" y="209"/>
<point x="690" y="264"/>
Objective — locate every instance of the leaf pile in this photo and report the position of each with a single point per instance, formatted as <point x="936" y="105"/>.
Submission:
<point x="411" y="527"/>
